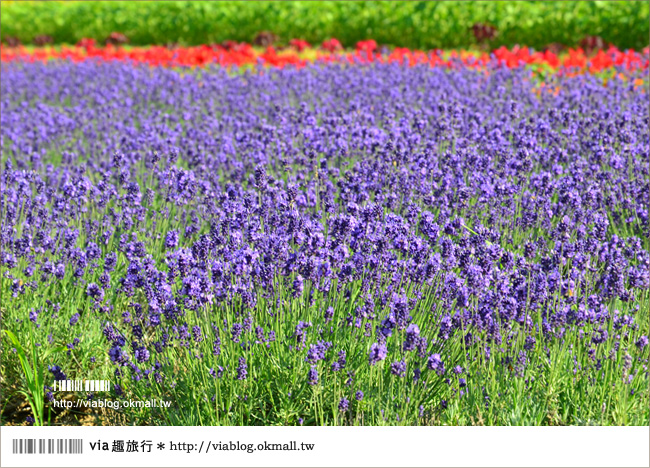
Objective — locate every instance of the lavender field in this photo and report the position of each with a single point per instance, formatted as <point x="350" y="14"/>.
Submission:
<point x="331" y="245"/>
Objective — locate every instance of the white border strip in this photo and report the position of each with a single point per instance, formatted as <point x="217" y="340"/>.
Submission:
<point x="345" y="446"/>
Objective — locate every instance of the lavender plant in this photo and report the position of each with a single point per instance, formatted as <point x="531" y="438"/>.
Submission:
<point x="331" y="245"/>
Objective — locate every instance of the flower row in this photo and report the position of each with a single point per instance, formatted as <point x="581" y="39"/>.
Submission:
<point x="301" y="53"/>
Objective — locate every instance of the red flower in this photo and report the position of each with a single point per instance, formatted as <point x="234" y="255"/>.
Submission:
<point x="86" y="43"/>
<point x="368" y="46"/>
<point x="299" y="44"/>
<point x="332" y="45"/>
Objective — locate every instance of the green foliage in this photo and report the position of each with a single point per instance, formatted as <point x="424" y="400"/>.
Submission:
<point x="420" y="25"/>
<point x="34" y="378"/>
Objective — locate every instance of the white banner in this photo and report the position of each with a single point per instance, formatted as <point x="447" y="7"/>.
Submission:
<point x="324" y="446"/>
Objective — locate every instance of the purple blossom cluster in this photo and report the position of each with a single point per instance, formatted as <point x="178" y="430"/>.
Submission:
<point x="369" y="214"/>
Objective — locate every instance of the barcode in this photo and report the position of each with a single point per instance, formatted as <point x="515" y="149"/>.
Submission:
<point x="82" y="385"/>
<point x="26" y="446"/>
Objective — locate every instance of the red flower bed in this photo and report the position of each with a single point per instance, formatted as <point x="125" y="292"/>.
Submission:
<point x="300" y="53"/>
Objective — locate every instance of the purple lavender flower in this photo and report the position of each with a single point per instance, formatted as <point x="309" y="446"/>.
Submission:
<point x="110" y="261"/>
<point x="260" y="177"/>
<point x="297" y="286"/>
<point x="329" y="313"/>
<point x="398" y="368"/>
<point x="530" y="343"/>
<point x="95" y="292"/>
<point x="317" y="351"/>
<point x="312" y="376"/>
<point x="341" y="361"/>
<point x="196" y="334"/>
<point x="378" y="352"/>
<point x="171" y="240"/>
<point x="412" y="332"/>
<point x="216" y="347"/>
<point x="105" y="279"/>
<point x="300" y="333"/>
<point x="57" y="372"/>
<point x="117" y="355"/>
<point x="236" y="332"/>
<point x="436" y="364"/>
<point x="242" y="369"/>
<point x="142" y="354"/>
<point x="344" y="404"/>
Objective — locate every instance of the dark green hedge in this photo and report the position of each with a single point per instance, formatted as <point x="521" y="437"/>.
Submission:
<point x="422" y="25"/>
